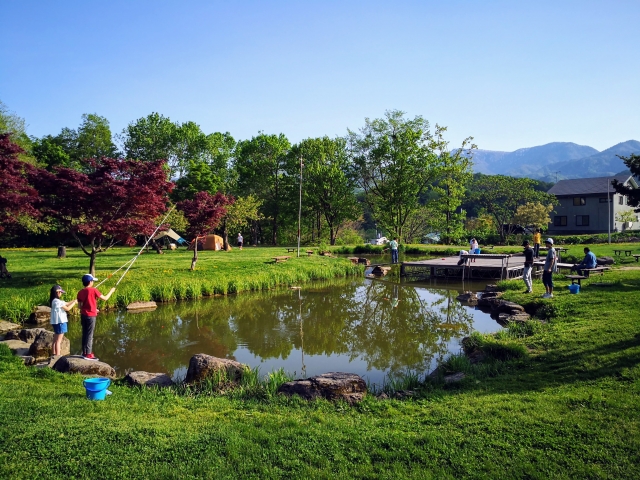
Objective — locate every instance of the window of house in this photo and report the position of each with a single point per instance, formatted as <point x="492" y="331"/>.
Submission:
<point x="578" y="201"/>
<point x="603" y="200"/>
<point x="560" y="221"/>
<point x="582" y="220"/>
<point x="621" y="200"/>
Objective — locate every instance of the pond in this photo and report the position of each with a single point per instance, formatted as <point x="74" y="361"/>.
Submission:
<point x="363" y="326"/>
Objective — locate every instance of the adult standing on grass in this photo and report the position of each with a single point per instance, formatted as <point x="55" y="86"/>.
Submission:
<point x="393" y="245"/>
<point x="240" y="241"/>
<point x="549" y="266"/>
<point x="88" y="301"/>
<point x="536" y="243"/>
<point x="528" y="265"/>
<point x="59" y="309"/>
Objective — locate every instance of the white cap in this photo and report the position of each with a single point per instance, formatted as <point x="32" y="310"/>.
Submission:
<point x="549" y="240"/>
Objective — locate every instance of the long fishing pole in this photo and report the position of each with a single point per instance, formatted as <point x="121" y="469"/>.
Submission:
<point x="132" y="261"/>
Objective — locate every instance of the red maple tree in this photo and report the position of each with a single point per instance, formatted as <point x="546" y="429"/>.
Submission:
<point x="17" y="197"/>
<point x="116" y="201"/>
<point x="203" y="213"/>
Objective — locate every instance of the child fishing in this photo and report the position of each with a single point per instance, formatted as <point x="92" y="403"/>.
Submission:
<point x="59" y="309"/>
<point x="87" y="299"/>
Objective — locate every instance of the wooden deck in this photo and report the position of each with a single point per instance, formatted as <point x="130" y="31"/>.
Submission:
<point x="480" y="266"/>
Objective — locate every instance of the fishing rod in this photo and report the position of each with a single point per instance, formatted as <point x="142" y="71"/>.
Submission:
<point x="132" y="261"/>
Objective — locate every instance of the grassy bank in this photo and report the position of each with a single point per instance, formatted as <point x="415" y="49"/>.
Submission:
<point x="157" y="277"/>
<point x="554" y="400"/>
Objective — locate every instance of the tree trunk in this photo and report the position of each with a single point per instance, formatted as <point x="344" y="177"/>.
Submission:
<point x="254" y="232"/>
<point x="225" y="236"/>
<point x="156" y="247"/>
<point x="195" y="255"/>
<point x="92" y="262"/>
<point x="332" y="235"/>
<point x="274" y="237"/>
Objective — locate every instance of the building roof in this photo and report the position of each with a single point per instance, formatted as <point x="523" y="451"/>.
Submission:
<point x="588" y="186"/>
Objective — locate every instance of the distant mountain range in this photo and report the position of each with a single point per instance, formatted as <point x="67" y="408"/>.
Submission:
<point x="558" y="159"/>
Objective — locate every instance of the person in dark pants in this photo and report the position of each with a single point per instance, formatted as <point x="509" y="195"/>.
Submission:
<point x="589" y="261"/>
<point x="528" y="265"/>
<point x="88" y="301"/>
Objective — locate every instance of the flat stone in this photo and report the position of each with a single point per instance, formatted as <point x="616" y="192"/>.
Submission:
<point x="28" y="359"/>
<point x="507" y="307"/>
<point x="380" y="271"/>
<point x="41" y="314"/>
<point x="8" y="326"/>
<point x="141" y="305"/>
<point x="331" y="386"/>
<point x="455" y="378"/>
<point x="77" y="364"/>
<point x="468" y="297"/>
<point x="202" y="366"/>
<point x="40" y="349"/>
<point x="605" y="261"/>
<point x="17" y="347"/>
<point x="139" y="379"/>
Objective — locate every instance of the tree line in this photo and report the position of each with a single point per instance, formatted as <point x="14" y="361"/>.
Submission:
<point x="394" y="175"/>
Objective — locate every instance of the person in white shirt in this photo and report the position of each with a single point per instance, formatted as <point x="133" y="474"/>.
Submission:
<point x="59" y="309"/>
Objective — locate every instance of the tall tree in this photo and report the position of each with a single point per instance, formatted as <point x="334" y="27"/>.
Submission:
<point x="394" y="163"/>
<point x="110" y="201"/>
<point x="11" y="123"/>
<point x="51" y="153"/>
<point x="633" y="195"/>
<point x="500" y="196"/>
<point x="203" y="213"/>
<point x="261" y="165"/>
<point x="94" y="138"/>
<point x="327" y="185"/>
<point x="453" y="174"/>
<point x="17" y="196"/>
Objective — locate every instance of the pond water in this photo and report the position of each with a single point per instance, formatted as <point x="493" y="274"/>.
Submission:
<point x="363" y="326"/>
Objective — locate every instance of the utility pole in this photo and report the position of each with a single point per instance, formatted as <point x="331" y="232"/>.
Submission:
<point x="609" y="206"/>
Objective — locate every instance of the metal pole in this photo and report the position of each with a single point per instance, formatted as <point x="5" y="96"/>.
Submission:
<point x="300" y="207"/>
<point x="609" y="205"/>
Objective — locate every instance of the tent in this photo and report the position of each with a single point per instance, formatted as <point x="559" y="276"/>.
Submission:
<point x="210" y="242"/>
<point x="172" y="235"/>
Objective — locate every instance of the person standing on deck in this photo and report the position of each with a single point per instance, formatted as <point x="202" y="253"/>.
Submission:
<point x="393" y="244"/>
<point x="549" y="267"/>
<point x="528" y="265"/>
<point x="536" y="243"/>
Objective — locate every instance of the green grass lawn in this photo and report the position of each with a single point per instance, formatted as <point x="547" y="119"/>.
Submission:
<point x="570" y="408"/>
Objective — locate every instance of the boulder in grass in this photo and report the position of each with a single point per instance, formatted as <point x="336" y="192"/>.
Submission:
<point x="202" y="366"/>
<point x="84" y="367"/>
<point x="8" y="326"/>
<point x="28" y="360"/>
<point x="331" y="386"/>
<point x="605" y="261"/>
<point x="26" y="334"/>
<point x="41" y="347"/>
<point x="139" y="379"/>
<point x="41" y="314"/>
<point x="17" y="347"/>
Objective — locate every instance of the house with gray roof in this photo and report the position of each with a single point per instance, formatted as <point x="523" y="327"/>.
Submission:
<point x="590" y="205"/>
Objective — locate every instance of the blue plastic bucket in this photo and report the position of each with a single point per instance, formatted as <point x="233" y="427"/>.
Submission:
<point x="96" y="387"/>
<point x="574" y="288"/>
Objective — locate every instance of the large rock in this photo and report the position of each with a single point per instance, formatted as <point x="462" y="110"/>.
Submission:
<point x="605" y="261"/>
<point x="17" y="347"/>
<point x="142" y="306"/>
<point x="332" y="386"/>
<point x="139" y="379"/>
<point x="505" y="318"/>
<point x="504" y="306"/>
<point x="468" y="297"/>
<point x="28" y="360"/>
<point x="41" y="314"/>
<point x="84" y="367"/>
<point x="8" y="326"/>
<point x="202" y="366"/>
<point x="41" y="347"/>
<point x="26" y="334"/>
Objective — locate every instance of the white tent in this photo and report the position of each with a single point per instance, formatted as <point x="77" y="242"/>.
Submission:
<point x="171" y="234"/>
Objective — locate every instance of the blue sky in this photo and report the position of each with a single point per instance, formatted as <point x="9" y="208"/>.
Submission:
<point x="511" y="74"/>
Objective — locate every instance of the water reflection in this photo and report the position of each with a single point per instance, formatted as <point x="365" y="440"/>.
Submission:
<point x="361" y="326"/>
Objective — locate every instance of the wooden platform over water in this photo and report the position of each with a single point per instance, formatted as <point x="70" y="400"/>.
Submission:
<point x="481" y="266"/>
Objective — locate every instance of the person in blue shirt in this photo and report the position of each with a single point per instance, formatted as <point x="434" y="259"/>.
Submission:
<point x="588" y="262"/>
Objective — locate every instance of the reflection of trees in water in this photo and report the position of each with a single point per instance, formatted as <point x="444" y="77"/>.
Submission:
<point x="391" y="327"/>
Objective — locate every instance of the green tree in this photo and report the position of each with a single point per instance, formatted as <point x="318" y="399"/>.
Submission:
<point x="261" y="166"/>
<point x="453" y="173"/>
<point x="500" y="196"/>
<point x="533" y="214"/>
<point x="394" y="163"/>
<point x="50" y="153"/>
<point x="633" y="194"/>
<point x="11" y="123"/>
<point x="326" y="184"/>
<point x="94" y="139"/>
<point x="242" y="212"/>
<point x="150" y="138"/>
